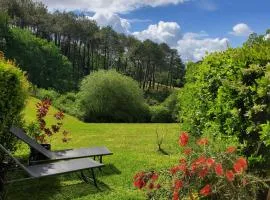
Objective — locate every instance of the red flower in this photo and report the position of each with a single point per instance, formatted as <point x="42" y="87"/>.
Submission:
<point x="203" y="173"/>
<point x="202" y="141"/>
<point x="187" y="151"/>
<point x="158" y="186"/>
<point x="230" y="175"/>
<point x="243" y="162"/>
<point x="175" y="195"/>
<point x="182" y="160"/>
<point x="200" y="160"/>
<point x="210" y="162"/>
<point x="183" y="139"/>
<point x="154" y="177"/>
<point x="238" y="168"/>
<point x="219" y="169"/>
<point x="206" y="190"/>
<point x="178" y="184"/>
<point x="231" y="149"/>
<point x="174" y="169"/>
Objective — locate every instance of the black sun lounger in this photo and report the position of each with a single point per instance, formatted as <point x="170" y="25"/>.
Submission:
<point x="64" y="154"/>
<point x="57" y="168"/>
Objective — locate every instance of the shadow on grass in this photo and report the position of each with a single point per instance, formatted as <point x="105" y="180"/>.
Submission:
<point x="162" y="151"/>
<point x="62" y="187"/>
<point x="108" y="170"/>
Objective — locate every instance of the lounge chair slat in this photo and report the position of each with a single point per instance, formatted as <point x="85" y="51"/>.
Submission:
<point x="63" y="154"/>
<point x="82" y="152"/>
<point x="61" y="167"/>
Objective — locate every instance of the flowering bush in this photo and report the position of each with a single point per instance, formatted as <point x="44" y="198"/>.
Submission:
<point x="202" y="172"/>
<point x="40" y="130"/>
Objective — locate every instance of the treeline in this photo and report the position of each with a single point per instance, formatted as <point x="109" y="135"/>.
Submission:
<point x="90" y="48"/>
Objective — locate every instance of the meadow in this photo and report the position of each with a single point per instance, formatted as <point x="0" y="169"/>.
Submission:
<point x="134" y="147"/>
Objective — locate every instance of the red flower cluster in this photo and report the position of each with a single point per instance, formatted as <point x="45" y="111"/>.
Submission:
<point x="240" y="165"/>
<point x="143" y="180"/>
<point x="198" y="168"/>
<point x="231" y="149"/>
<point x="183" y="139"/>
<point x="206" y="190"/>
<point x="202" y="141"/>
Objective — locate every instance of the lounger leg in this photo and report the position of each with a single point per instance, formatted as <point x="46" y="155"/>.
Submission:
<point x="94" y="157"/>
<point x="100" y="159"/>
<point x="94" y="178"/>
<point x="84" y="177"/>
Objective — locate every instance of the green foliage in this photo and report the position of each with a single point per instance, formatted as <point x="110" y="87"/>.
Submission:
<point x="68" y="103"/>
<point x="13" y="93"/>
<point x="228" y="93"/>
<point x="167" y="111"/>
<point x="160" y="114"/>
<point x="43" y="94"/>
<point x="46" y="67"/>
<point x="107" y="96"/>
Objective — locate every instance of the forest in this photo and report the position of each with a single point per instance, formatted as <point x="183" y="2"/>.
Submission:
<point x="87" y="46"/>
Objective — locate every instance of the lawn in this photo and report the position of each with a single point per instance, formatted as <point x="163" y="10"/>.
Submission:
<point x="134" y="147"/>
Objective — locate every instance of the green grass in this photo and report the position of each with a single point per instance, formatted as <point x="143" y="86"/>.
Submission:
<point x="134" y="147"/>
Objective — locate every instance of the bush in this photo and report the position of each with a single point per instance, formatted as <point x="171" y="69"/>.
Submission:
<point x="160" y="114"/>
<point x="228" y="93"/>
<point x="166" y="112"/>
<point x="68" y="103"/>
<point x="205" y="170"/>
<point x="13" y="93"/>
<point x="107" y="96"/>
<point x="43" y="94"/>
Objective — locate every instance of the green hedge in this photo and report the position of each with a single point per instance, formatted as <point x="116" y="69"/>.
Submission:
<point x="228" y="93"/>
<point x="13" y="93"/>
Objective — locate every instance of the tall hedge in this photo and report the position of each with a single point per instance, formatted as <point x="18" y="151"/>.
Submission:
<point x="229" y="93"/>
<point x="13" y="93"/>
<point x="43" y="62"/>
<point x="107" y="96"/>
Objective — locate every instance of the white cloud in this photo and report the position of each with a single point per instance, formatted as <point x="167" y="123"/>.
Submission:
<point x="112" y="6"/>
<point x="241" y="29"/>
<point x="168" y="32"/>
<point x="193" y="46"/>
<point x="119" y="24"/>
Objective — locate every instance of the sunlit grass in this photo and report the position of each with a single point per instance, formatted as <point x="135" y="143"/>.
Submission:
<point x="134" y="147"/>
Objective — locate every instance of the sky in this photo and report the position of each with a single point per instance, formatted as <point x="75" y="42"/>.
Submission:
<point x="193" y="27"/>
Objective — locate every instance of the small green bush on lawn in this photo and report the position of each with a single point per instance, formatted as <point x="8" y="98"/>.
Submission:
<point x="107" y="96"/>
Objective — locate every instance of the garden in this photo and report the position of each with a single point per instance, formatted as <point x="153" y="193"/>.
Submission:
<point x="149" y="127"/>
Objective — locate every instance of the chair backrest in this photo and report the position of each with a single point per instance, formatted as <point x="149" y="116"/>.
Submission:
<point x="32" y="143"/>
<point x="16" y="160"/>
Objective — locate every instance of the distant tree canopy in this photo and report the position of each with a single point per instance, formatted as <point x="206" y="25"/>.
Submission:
<point x="228" y="93"/>
<point x="90" y="47"/>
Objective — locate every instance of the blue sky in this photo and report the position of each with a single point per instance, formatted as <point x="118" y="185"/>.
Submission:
<point x="191" y="26"/>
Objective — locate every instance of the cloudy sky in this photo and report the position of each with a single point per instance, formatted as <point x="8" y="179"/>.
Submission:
<point x="193" y="27"/>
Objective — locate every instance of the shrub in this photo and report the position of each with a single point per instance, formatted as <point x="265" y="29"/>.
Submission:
<point x="43" y="94"/>
<point x="107" y="96"/>
<point x="204" y="171"/>
<point x="68" y="103"/>
<point x="166" y="112"/>
<point x="160" y="114"/>
<point x="13" y="93"/>
<point x="228" y="93"/>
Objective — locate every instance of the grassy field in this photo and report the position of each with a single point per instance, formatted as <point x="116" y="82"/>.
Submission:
<point x="134" y="147"/>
